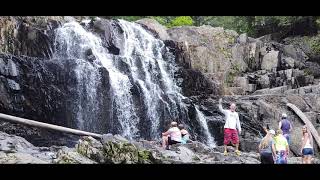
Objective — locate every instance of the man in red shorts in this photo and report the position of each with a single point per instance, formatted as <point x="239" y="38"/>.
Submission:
<point x="230" y="127"/>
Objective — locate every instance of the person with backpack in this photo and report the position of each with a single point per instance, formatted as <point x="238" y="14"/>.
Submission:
<point x="286" y="126"/>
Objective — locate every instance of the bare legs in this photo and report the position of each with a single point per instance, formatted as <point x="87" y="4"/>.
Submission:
<point x="237" y="147"/>
<point x="309" y="157"/>
<point x="164" y="141"/>
<point x="306" y="159"/>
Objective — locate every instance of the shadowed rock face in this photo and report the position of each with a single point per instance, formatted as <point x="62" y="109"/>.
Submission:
<point x="30" y="36"/>
<point x="45" y="90"/>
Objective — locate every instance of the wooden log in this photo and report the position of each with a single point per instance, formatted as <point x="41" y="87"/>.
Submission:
<point x="304" y="118"/>
<point x="29" y="122"/>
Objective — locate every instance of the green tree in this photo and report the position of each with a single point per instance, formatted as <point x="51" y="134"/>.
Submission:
<point x="181" y="21"/>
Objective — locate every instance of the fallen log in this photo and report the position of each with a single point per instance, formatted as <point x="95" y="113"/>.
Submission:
<point x="29" y="122"/>
<point x="304" y="118"/>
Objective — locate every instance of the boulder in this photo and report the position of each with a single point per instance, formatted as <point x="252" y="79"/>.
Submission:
<point x="288" y="73"/>
<point x="13" y="85"/>
<point x="155" y="27"/>
<point x="206" y="48"/>
<point x="16" y="150"/>
<point x="69" y="156"/>
<point x="241" y="82"/>
<point x="295" y="53"/>
<point x="277" y="90"/>
<point x="241" y="57"/>
<point x="19" y="158"/>
<point x="270" y="60"/>
<point x="313" y="100"/>
<point x="312" y="68"/>
<point x="243" y="38"/>
<point x="90" y="148"/>
<point x="251" y="87"/>
<point x="264" y="81"/>
<point x="12" y="68"/>
<point x="3" y="68"/>
<point x="28" y="35"/>
<point x="298" y="101"/>
<point x="289" y="62"/>
<point x="234" y="91"/>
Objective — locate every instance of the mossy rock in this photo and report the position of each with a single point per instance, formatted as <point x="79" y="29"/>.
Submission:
<point x="146" y="157"/>
<point x="91" y="150"/>
<point x="120" y="152"/>
<point x="72" y="157"/>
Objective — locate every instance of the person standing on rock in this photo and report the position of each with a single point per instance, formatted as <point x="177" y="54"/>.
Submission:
<point x="230" y="128"/>
<point x="286" y="126"/>
<point x="307" y="146"/>
<point x="172" y="136"/>
<point x="267" y="148"/>
<point x="282" y="148"/>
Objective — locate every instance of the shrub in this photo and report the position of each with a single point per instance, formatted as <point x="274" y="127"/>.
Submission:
<point x="181" y="21"/>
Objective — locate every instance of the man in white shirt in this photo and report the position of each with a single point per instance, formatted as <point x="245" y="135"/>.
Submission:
<point x="172" y="136"/>
<point x="230" y="128"/>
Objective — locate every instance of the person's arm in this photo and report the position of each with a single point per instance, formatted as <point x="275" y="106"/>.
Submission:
<point x="238" y="124"/>
<point x="273" y="150"/>
<point x="265" y="129"/>
<point x="166" y="133"/>
<point x="220" y="107"/>
<point x="290" y="126"/>
<point x="280" y="124"/>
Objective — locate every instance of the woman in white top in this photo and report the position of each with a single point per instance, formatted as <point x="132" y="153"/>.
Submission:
<point x="307" y="146"/>
<point x="172" y="136"/>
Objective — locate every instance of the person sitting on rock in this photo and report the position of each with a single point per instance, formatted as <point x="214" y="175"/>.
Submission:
<point x="286" y="126"/>
<point x="172" y="136"/>
<point x="267" y="148"/>
<point x="307" y="146"/>
<point x="282" y="148"/>
<point x="230" y="128"/>
<point x="184" y="133"/>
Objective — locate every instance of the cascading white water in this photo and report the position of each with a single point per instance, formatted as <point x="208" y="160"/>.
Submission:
<point x="140" y="64"/>
<point x="155" y="80"/>
<point x="72" y="42"/>
<point x="210" y="140"/>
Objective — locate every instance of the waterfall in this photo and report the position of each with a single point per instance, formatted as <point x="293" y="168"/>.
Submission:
<point x="209" y="139"/>
<point x="150" y="71"/>
<point x="144" y="97"/>
<point x="71" y="43"/>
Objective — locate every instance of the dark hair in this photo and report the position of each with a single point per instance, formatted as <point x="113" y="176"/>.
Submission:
<point x="181" y="126"/>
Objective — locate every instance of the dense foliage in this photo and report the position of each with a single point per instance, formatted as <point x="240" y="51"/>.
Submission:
<point x="254" y="26"/>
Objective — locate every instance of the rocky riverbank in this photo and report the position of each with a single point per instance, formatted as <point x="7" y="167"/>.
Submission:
<point x="118" y="150"/>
